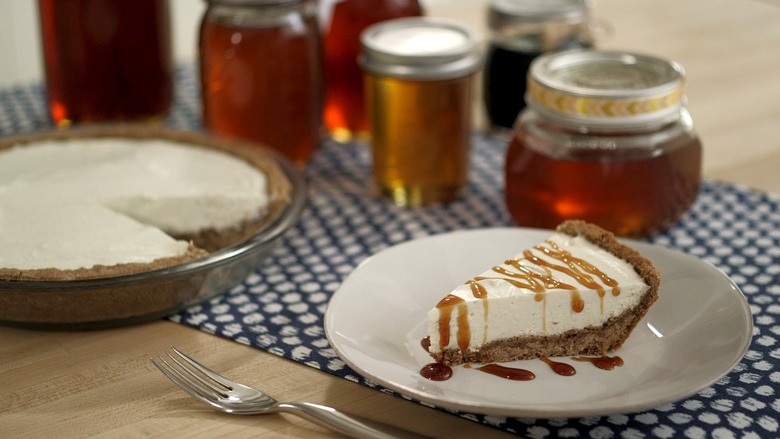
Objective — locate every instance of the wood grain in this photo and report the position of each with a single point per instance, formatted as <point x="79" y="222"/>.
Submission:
<point x="102" y="384"/>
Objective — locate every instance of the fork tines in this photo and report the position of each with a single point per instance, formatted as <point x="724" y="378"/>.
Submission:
<point x="192" y="376"/>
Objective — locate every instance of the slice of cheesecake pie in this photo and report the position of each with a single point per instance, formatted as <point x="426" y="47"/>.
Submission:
<point x="580" y="292"/>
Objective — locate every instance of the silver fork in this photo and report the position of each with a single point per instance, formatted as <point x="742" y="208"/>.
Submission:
<point x="231" y="397"/>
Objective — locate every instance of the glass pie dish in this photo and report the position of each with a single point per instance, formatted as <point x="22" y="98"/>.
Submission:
<point x="132" y="298"/>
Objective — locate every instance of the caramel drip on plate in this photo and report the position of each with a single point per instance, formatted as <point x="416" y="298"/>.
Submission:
<point x="510" y="373"/>
<point x="436" y="371"/>
<point x="560" y="368"/>
<point x="604" y="362"/>
<point x="538" y="279"/>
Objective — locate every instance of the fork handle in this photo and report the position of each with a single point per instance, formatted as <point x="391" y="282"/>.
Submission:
<point x="349" y="425"/>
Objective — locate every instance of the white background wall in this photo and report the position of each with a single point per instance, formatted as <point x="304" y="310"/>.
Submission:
<point x="20" y="52"/>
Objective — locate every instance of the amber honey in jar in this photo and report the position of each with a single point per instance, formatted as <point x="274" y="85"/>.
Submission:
<point x="605" y="138"/>
<point x="344" y="115"/>
<point x="261" y="73"/>
<point x="106" y="60"/>
<point x="418" y="81"/>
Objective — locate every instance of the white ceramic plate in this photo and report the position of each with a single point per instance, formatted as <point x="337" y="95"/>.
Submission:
<point x="696" y="332"/>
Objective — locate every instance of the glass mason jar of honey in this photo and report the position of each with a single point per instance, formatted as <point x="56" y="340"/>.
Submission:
<point x="345" y="115"/>
<point x="605" y="138"/>
<point x="520" y="31"/>
<point x="106" y="60"/>
<point x="261" y="73"/>
<point x="418" y="82"/>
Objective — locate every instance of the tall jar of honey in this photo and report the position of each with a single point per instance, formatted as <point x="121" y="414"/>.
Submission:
<point x="605" y="138"/>
<point x="418" y="83"/>
<point x="345" y="116"/>
<point x="261" y="73"/>
<point x="106" y="60"/>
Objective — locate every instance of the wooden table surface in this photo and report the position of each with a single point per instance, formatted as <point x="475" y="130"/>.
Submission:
<point x="102" y="384"/>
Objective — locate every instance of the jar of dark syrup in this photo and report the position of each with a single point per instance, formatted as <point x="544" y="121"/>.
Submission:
<point x="520" y="31"/>
<point x="605" y="138"/>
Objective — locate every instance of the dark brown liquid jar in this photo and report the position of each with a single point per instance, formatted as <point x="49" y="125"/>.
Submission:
<point x="520" y="31"/>
<point x="605" y="138"/>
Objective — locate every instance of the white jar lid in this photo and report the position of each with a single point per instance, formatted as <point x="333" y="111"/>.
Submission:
<point x="422" y="48"/>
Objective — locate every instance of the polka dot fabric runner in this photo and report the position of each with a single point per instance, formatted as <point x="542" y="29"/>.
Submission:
<point x="280" y="307"/>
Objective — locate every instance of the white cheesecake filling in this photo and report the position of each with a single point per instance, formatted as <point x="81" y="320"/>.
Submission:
<point x="510" y="311"/>
<point x="84" y="202"/>
<point x="80" y="236"/>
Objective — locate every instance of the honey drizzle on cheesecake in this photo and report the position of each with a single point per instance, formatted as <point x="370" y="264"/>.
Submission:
<point x="524" y="277"/>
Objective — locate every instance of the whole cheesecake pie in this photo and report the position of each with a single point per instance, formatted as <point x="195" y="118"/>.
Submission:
<point x="112" y="201"/>
<point x="580" y="292"/>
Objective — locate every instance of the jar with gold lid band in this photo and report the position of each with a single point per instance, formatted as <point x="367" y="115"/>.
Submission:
<point x="606" y="138"/>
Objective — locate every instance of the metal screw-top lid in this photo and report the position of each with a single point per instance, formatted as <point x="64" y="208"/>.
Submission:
<point x="606" y="88"/>
<point x="507" y="12"/>
<point x="421" y="48"/>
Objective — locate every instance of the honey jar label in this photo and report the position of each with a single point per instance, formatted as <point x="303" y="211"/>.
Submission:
<point x="566" y="103"/>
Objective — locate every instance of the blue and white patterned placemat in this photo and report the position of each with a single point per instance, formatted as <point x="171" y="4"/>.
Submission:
<point x="280" y="307"/>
